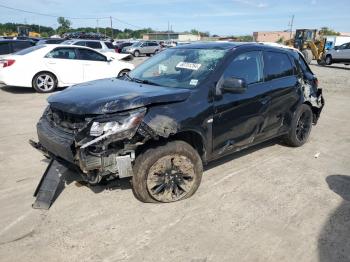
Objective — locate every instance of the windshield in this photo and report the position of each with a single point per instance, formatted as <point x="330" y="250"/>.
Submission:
<point x="182" y="68"/>
<point x="29" y="50"/>
<point x="136" y="44"/>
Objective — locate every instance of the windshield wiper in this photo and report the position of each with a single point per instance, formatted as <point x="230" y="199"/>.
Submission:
<point x="143" y="81"/>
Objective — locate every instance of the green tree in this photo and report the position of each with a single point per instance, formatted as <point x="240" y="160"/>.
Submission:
<point x="64" y="25"/>
<point x="328" y="31"/>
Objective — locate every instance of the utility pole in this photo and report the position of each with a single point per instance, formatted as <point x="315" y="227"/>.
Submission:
<point x="111" y="26"/>
<point x="97" y="26"/>
<point x="168" y="31"/>
<point x="291" y="27"/>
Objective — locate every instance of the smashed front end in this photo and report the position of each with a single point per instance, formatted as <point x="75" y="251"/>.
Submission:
<point x="98" y="145"/>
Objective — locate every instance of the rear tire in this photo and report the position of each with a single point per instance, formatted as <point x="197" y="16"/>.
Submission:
<point x="328" y="60"/>
<point x="44" y="82"/>
<point x="167" y="173"/>
<point x="307" y="55"/>
<point x="300" y="127"/>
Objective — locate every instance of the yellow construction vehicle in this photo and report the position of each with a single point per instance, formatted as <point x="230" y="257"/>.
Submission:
<point x="311" y="44"/>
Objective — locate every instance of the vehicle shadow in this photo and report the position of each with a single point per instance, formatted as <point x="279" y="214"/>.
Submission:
<point x="242" y="153"/>
<point x="69" y="176"/>
<point x="334" y="239"/>
<point x="21" y="90"/>
<point x="335" y="67"/>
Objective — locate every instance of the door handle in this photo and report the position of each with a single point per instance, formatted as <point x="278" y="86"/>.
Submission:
<point x="51" y="63"/>
<point x="265" y="100"/>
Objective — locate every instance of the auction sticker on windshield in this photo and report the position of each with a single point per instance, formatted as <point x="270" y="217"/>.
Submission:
<point x="186" y="65"/>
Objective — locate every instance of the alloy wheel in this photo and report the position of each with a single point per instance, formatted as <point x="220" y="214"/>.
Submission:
<point x="303" y="126"/>
<point x="170" y="178"/>
<point x="45" y="82"/>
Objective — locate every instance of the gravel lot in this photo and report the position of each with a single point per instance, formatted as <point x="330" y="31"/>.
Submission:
<point x="269" y="203"/>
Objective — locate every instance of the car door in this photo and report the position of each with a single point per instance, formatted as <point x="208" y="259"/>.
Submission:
<point x="95" y="65"/>
<point x="63" y="62"/>
<point x="238" y="117"/>
<point x="282" y="84"/>
<point x="94" y="45"/>
<point x="340" y="53"/>
<point x="146" y="48"/>
<point x="347" y="53"/>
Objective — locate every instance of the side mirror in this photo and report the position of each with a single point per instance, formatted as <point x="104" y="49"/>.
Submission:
<point x="234" y="85"/>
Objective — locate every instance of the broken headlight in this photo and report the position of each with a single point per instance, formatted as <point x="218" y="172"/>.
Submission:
<point x="117" y="124"/>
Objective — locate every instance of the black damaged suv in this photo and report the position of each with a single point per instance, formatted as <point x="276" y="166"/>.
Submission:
<point x="179" y="110"/>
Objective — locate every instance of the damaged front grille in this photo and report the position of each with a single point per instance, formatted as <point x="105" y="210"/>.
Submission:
<point x="68" y="122"/>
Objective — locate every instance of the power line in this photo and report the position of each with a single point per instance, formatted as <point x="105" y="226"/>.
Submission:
<point x="67" y="17"/>
<point x="49" y="15"/>
<point x="123" y="22"/>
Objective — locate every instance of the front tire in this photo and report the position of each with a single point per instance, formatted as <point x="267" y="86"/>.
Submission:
<point x="300" y="127"/>
<point x="136" y="53"/>
<point x="44" y="82"/>
<point x="167" y="173"/>
<point x="328" y="60"/>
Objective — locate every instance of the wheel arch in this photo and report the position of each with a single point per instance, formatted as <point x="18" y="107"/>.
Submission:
<point x="193" y="138"/>
<point x="46" y="71"/>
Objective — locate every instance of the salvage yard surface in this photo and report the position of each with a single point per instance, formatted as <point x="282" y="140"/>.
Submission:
<point x="268" y="203"/>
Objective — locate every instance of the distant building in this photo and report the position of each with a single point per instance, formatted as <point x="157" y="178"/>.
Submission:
<point x="344" y="33"/>
<point x="272" y="36"/>
<point x="186" y="37"/>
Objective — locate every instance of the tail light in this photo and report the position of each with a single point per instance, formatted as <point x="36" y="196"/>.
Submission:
<point x="7" y="62"/>
<point x="116" y="50"/>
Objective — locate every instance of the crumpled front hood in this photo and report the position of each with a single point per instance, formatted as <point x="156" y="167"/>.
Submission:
<point x="113" y="95"/>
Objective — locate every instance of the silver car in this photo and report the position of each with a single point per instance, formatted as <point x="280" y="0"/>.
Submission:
<point x="339" y="54"/>
<point x="98" y="45"/>
<point x="142" y="48"/>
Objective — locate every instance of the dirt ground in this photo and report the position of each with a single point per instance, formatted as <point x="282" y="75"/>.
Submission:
<point x="268" y="203"/>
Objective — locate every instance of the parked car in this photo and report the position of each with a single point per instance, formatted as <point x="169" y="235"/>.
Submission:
<point x="178" y="110"/>
<point x="119" y="47"/>
<point x="45" y="67"/>
<point x="101" y="46"/>
<point x="142" y="48"/>
<point x="50" y="41"/>
<point x="9" y="46"/>
<point x="339" y="54"/>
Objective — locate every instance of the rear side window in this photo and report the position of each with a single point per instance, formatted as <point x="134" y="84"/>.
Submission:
<point x="17" y="46"/>
<point x="80" y="43"/>
<point x="277" y="65"/>
<point x="247" y="66"/>
<point x="86" y="54"/>
<point x="4" y="48"/>
<point x="109" y="45"/>
<point x="94" y="45"/>
<point x="62" y="53"/>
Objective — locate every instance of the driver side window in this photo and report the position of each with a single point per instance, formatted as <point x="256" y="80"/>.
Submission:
<point x="247" y="66"/>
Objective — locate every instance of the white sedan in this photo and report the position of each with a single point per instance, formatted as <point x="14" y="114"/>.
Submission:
<point x="46" y="67"/>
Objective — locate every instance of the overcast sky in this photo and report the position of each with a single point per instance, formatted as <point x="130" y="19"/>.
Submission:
<point x="223" y="17"/>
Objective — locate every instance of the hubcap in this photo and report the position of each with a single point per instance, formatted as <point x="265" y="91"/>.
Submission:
<point x="45" y="82"/>
<point x="170" y="178"/>
<point x="303" y="126"/>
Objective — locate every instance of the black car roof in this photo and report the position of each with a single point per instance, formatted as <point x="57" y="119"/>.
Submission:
<point x="215" y="45"/>
<point x="230" y="45"/>
<point x="14" y="40"/>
